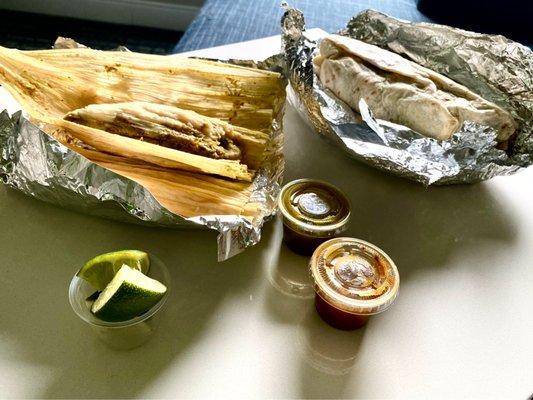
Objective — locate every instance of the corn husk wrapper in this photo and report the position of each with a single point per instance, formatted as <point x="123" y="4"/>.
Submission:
<point x="121" y="189"/>
<point x="492" y="66"/>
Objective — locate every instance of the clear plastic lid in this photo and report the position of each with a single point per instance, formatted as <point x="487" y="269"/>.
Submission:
<point x="354" y="276"/>
<point x="314" y="207"/>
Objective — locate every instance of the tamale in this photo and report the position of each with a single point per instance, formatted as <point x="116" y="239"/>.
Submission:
<point x="52" y="84"/>
<point x="175" y="128"/>
<point x="169" y="123"/>
<point x="152" y="153"/>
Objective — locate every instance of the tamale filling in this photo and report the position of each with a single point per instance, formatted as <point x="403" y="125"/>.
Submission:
<point x="172" y="134"/>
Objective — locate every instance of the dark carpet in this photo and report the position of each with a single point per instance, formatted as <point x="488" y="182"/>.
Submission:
<point x="33" y="31"/>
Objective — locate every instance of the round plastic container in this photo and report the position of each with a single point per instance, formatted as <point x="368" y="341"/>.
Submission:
<point x="353" y="280"/>
<point x="122" y="335"/>
<point x="313" y="212"/>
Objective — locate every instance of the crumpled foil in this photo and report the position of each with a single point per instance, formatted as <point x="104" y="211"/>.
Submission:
<point x="38" y="165"/>
<point x="494" y="67"/>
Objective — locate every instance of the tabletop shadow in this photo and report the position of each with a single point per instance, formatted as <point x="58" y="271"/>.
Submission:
<point x="321" y="349"/>
<point x="326" y="351"/>
<point x="420" y="228"/>
<point x="48" y="244"/>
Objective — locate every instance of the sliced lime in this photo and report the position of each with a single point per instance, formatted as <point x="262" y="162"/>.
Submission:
<point x="129" y="294"/>
<point x="101" y="269"/>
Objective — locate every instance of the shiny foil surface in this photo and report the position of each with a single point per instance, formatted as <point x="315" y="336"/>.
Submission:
<point x="36" y="164"/>
<point x="496" y="68"/>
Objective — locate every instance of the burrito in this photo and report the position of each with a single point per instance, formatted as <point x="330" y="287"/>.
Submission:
<point x="403" y="92"/>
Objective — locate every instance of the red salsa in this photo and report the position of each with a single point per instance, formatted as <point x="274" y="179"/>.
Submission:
<point x="353" y="280"/>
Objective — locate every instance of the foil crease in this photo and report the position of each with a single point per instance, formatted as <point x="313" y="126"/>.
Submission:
<point x="36" y="164"/>
<point x="494" y="67"/>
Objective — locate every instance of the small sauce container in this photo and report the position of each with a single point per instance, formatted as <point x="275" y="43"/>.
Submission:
<point x="353" y="280"/>
<point x="313" y="212"/>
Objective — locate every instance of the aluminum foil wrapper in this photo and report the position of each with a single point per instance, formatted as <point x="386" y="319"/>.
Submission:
<point x="492" y="66"/>
<point x="38" y="165"/>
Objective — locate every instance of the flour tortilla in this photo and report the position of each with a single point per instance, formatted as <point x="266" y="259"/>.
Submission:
<point x="401" y="91"/>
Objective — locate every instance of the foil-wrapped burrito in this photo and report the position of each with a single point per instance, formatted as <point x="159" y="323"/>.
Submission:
<point x="155" y="140"/>
<point x="427" y="102"/>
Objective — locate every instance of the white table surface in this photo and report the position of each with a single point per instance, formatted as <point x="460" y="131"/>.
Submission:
<point x="462" y="326"/>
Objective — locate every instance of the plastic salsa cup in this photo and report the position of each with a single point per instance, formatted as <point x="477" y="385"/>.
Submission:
<point x="121" y="335"/>
<point x="313" y="212"/>
<point x="353" y="280"/>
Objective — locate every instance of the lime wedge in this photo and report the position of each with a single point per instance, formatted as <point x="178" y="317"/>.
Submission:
<point x="129" y="294"/>
<point x="101" y="269"/>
